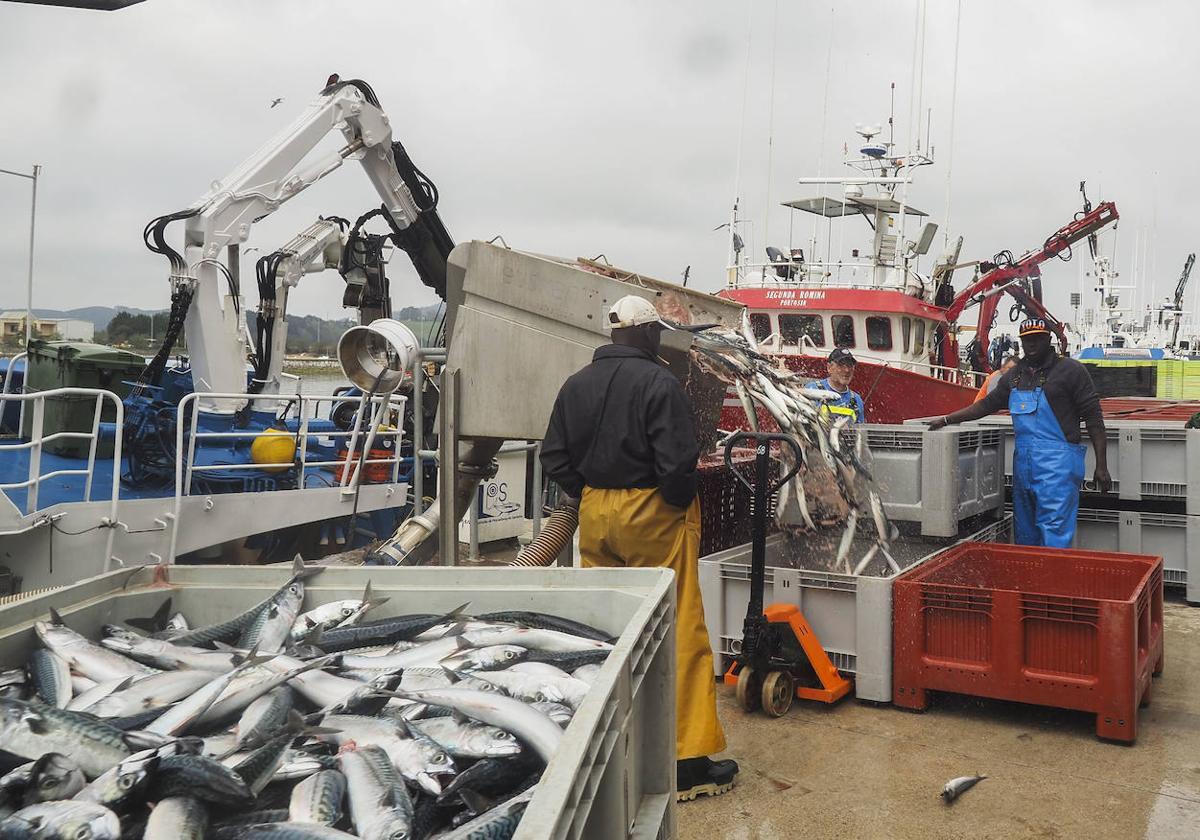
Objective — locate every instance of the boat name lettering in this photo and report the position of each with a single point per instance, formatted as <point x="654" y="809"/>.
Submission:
<point x="795" y="294"/>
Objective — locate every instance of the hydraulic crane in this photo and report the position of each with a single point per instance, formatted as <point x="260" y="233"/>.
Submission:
<point x="1021" y="278"/>
<point x="1180" y="288"/>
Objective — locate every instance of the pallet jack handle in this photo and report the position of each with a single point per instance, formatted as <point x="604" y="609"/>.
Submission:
<point x="763" y="489"/>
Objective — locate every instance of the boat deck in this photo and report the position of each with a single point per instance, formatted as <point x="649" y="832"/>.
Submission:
<point x="858" y="770"/>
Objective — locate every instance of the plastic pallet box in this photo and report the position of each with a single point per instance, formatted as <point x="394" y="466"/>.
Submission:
<point x="1148" y="459"/>
<point x="937" y="478"/>
<point x="1054" y="627"/>
<point x="613" y="776"/>
<point x="1173" y="536"/>
<point x="851" y="615"/>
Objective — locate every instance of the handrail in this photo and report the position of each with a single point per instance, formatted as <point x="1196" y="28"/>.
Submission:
<point x="185" y="456"/>
<point x="37" y="440"/>
<point x="7" y="389"/>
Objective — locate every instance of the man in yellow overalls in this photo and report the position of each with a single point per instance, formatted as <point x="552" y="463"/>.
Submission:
<point x="622" y="439"/>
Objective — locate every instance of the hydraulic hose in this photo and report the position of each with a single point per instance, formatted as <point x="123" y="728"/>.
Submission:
<point x="556" y="534"/>
<point x="413" y="543"/>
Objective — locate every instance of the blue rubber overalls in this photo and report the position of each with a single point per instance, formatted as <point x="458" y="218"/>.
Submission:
<point x="1047" y="470"/>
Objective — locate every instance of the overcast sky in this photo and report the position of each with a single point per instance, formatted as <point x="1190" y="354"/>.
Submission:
<point x="580" y="128"/>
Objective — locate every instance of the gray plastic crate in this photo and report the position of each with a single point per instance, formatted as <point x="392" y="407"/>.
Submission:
<point x="1147" y="459"/>
<point x="852" y="616"/>
<point x="937" y="478"/>
<point x="613" y="776"/>
<point x="1173" y="536"/>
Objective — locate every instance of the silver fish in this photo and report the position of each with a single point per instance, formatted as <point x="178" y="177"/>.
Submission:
<point x="429" y="653"/>
<point x="489" y="658"/>
<point x="85" y="657"/>
<point x="263" y="718"/>
<point x="53" y="776"/>
<point x="177" y="818"/>
<point x="51" y="677"/>
<point x="533" y="727"/>
<point x="318" y="799"/>
<point x="380" y="806"/>
<point x="342" y="613"/>
<point x="500" y="821"/>
<point x="85" y="699"/>
<point x="417" y="758"/>
<point x="177" y="719"/>
<point x="560" y="713"/>
<point x="543" y="668"/>
<point x="957" y="787"/>
<point x="465" y="738"/>
<point x="295" y="831"/>
<point x="123" y="781"/>
<point x="168" y="655"/>
<point x="152" y="692"/>
<point x="271" y="628"/>
<point x="533" y="639"/>
<point x="587" y="673"/>
<point x="31" y="731"/>
<point x="63" y="820"/>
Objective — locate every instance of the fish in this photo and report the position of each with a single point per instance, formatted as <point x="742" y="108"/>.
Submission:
<point x="499" y="821"/>
<point x="546" y="621"/>
<point x="342" y="613"/>
<point x="53" y="776"/>
<point x="747" y="406"/>
<point x="568" y="661"/>
<point x="272" y="626"/>
<point x="534" y="639"/>
<point x="153" y="692"/>
<point x="843" y="552"/>
<point x="84" y="656"/>
<point x="490" y="658"/>
<point x="177" y="818"/>
<point x="263" y="717"/>
<point x="560" y="713"/>
<point x="533" y="727"/>
<point x="199" y="776"/>
<point x="51" y="677"/>
<point x="179" y="718"/>
<point x="380" y="805"/>
<point x="417" y="758"/>
<point x="318" y="799"/>
<point x="161" y="620"/>
<point x="85" y="699"/>
<point x="957" y="787"/>
<point x="167" y="655"/>
<point x="30" y="731"/>
<point x="384" y="630"/>
<point x="125" y="780"/>
<point x="62" y="819"/>
<point x="227" y="631"/>
<point x="429" y="653"/>
<point x="465" y="738"/>
<point x="295" y="831"/>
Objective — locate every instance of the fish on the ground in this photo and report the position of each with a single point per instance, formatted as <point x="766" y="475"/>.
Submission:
<point x="957" y="787"/>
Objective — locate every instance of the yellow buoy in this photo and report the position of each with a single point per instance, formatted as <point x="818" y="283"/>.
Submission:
<point x="274" y="446"/>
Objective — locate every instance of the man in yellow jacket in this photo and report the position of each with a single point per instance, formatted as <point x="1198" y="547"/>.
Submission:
<point x="622" y="439"/>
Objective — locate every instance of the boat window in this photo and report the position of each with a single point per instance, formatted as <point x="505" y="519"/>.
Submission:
<point x="879" y="333"/>
<point x="802" y="329"/>
<point x="843" y="330"/>
<point x="760" y="323"/>
<point x="919" y="337"/>
<point x="905" y="335"/>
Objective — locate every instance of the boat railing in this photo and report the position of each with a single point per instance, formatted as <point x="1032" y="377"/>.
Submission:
<point x="811" y="275"/>
<point x="38" y="440"/>
<point x="361" y="437"/>
<point x="7" y="390"/>
<point x="952" y="375"/>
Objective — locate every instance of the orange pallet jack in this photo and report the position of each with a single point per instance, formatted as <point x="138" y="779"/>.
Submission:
<point x="781" y="657"/>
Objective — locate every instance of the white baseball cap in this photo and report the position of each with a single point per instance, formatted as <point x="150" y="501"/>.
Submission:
<point x="632" y="311"/>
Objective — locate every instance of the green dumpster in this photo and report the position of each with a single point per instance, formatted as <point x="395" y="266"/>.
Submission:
<point x="76" y="364"/>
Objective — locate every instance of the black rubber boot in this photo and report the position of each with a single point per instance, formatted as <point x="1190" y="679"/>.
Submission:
<point x="703" y="777"/>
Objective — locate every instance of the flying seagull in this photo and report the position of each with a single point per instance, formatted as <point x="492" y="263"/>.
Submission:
<point x="275" y="102"/>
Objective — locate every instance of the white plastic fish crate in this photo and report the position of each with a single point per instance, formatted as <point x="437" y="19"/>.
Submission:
<point x="937" y="478"/>
<point x="1173" y="536"/>
<point x="1147" y="460"/>
<point x="851" y="615"/>
<point x="613" y="776"/>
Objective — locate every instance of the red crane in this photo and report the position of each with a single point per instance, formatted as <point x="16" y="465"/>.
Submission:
<point x="1015" y="278"/>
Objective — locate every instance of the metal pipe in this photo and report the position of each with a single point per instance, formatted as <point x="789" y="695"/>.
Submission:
<point x="473" y="530"/>
<point x="448" y="511"/>
<point x="537" y="489"/>
<point x="418" y="471"/>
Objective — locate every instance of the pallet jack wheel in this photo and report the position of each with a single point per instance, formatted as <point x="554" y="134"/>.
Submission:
<point x="778" y="690"/>
<point x="748" y="690"/>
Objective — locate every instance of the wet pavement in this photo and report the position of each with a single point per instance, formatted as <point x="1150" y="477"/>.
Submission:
<point x="856" y="770"/>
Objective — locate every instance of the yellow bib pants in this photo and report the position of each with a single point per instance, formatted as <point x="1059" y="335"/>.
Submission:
<point x="638" y="529"/>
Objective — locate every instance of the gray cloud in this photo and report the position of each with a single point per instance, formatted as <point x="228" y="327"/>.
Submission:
<point x="582" y="128"/>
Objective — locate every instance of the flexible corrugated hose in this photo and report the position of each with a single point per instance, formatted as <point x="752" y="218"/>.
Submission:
<point x="556" y="534"/>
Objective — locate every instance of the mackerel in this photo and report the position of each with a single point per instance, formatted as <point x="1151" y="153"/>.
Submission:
<point x="318" y="799"/>
<point x="85" y="657"/>
<point x="30" y="731"/>
<point x="51" y="677"/>
<point x="177" y="818"/>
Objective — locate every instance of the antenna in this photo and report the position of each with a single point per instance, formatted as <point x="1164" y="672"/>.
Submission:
<point x="892" y="119"/>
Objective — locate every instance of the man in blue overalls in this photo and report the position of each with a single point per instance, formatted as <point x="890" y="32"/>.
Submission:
<point x="1048" y="397"/>
<point x="841" y="370"/>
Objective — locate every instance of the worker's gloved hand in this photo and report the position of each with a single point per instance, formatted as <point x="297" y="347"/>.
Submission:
<point x="1103" y="479"/>
<point x="937" y="423"/>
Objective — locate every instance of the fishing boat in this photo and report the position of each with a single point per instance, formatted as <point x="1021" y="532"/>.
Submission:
<point x="872" y="299"/>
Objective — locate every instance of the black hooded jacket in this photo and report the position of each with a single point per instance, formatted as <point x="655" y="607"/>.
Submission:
<point x="623" y="422"/>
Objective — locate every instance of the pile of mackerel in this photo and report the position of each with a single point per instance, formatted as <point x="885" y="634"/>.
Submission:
<point x="280" y="724"/>
<point x="833" y="487"/>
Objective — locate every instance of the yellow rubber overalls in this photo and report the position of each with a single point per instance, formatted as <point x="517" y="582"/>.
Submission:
<point x="638" y="529"/>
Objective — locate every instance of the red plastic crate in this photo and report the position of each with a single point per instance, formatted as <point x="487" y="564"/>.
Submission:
<point x="1055" y="627"/>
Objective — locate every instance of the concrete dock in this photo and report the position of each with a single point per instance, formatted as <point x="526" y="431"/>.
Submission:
<point x="864" y="771"/>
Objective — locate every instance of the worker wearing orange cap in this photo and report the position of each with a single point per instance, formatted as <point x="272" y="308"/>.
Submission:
<point x="1048" y="396"/>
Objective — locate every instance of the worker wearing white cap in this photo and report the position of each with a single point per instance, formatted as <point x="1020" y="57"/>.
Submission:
<point x="622" y="439"/>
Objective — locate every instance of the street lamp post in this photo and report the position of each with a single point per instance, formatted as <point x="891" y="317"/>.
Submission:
<point x="32" y="219"/>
